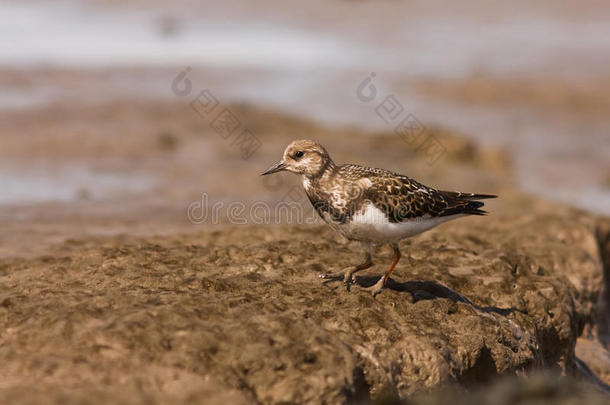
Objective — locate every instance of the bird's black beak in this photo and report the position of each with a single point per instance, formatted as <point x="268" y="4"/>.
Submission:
<point x="278" y="167"/>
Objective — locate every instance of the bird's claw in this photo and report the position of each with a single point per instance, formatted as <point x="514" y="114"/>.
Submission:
<point x="348" y="280"/>
<point x="330" y="277"/>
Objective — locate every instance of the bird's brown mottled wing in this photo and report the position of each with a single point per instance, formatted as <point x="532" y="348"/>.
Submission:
<point x="402" y="198"/>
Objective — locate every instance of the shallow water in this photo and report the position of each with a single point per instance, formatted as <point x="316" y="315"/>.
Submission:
<point x="30" y="186"/>
<point x="79" y="34"/>
<point x="51" y="34"/>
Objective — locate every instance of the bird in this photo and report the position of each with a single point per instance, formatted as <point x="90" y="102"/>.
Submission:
<point x="370" y="205"/>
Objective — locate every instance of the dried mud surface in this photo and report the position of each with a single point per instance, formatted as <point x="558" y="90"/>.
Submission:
<point x="240" y="315"/>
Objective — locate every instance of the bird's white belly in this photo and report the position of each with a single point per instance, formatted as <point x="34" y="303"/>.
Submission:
<point x="372" y="225"/>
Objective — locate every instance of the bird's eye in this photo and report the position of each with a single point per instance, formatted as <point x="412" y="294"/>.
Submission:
<point x="299" y="154"/>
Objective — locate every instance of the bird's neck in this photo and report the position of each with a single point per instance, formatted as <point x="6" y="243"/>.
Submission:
<point x="327" y="168"/>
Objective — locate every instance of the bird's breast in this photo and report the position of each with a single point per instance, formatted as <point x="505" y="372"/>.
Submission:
<point x="330" y="203"/>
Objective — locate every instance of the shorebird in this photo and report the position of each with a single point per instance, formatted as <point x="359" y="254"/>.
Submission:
<point x="369" y="205"/>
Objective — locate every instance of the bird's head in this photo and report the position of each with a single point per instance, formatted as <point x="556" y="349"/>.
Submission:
<point x="305" y="157"/>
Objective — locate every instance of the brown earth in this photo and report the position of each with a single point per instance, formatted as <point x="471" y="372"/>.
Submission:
<point x="540" y="389"/>
<point x="241" y="315"/>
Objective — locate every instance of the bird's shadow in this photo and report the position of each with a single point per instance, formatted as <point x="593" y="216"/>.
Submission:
<point x="429" y="290"/>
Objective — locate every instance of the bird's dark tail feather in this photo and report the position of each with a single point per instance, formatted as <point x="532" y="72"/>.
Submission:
<point x="467" y="203"/>
<point x="473" y="208"/>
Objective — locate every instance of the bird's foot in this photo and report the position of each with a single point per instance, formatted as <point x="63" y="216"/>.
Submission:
<point x="376" y="288"/>
<point x="345" y="275"/>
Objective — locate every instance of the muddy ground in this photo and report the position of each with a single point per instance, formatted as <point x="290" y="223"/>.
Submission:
<point x="240" y="315"/>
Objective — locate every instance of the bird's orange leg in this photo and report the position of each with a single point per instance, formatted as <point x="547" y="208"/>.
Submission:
<point x="376" y="289"/>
